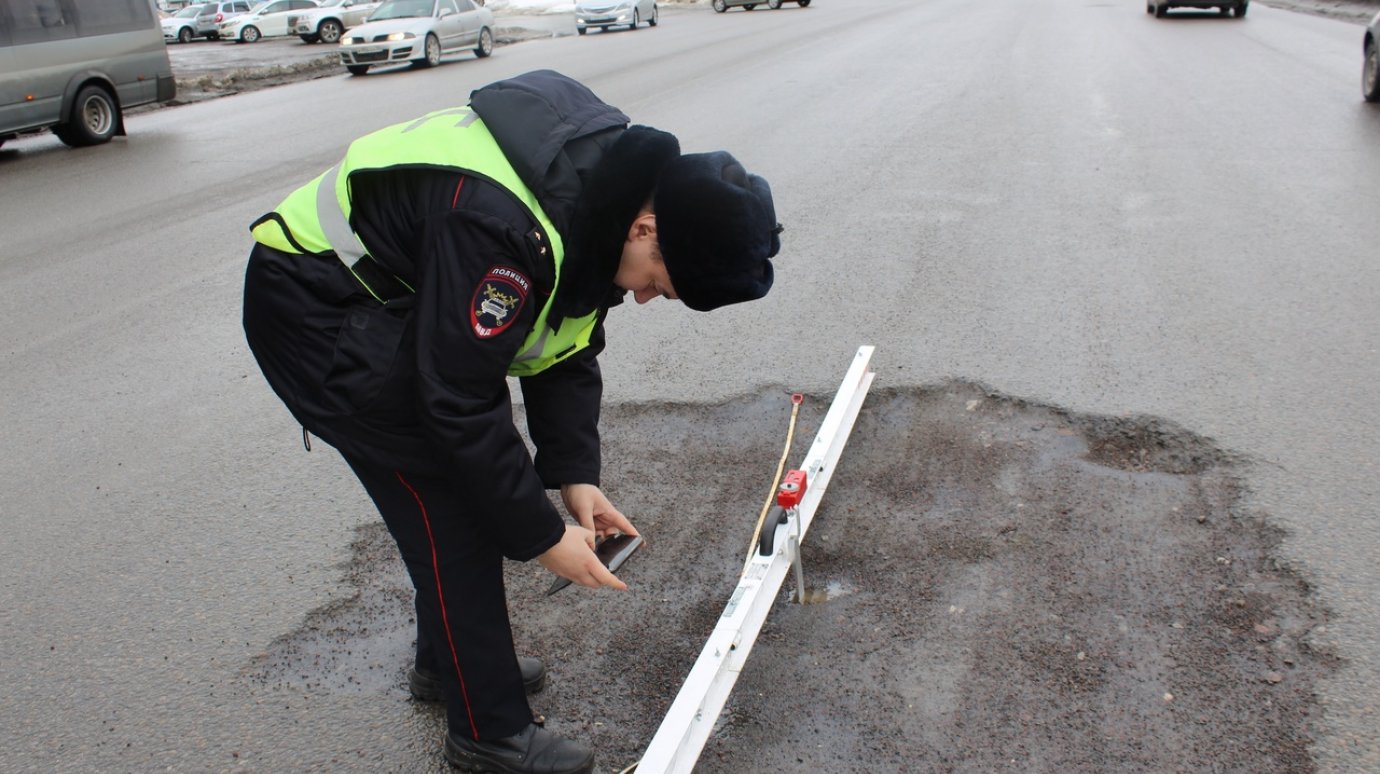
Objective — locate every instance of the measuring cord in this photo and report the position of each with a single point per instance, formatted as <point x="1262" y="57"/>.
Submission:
<point x="796" y="400"/>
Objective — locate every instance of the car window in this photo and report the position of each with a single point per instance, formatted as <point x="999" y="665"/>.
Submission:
<point x="281" y="5"/>
<point x="37" y="20"/>
<point x="402" y="9"/>
<point x="298" y="5"/>
<point x="465" y="5"/>
<point x="38" y="14"/>
<point x="449" y="5"/>
<point x="102" y="16"/>
<point x="241" y="7"/>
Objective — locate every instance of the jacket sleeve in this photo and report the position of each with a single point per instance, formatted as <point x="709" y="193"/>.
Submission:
<point x="462" y="375"/>
<point x="563" y="416"/>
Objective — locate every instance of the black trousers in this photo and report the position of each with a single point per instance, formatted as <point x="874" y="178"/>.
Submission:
<point x="310" y="324"/>
<point x="463" y="632"/>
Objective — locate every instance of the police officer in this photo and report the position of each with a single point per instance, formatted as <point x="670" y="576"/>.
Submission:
<point x="388" y="300"/>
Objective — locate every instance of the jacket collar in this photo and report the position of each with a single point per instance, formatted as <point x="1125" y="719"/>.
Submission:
<point x="616" y="189"/>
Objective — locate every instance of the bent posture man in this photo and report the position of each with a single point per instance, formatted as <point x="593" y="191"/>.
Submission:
<point x="387" y="301"/>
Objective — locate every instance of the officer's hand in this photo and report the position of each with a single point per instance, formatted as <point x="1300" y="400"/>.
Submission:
<point x="573" y="558"/>
<point x="589" y="506"/>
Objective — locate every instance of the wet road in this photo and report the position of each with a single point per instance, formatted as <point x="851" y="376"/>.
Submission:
<point x="1075" y="204"/>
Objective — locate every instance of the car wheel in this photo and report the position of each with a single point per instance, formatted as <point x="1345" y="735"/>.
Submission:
<point x="1241" y="9"/>
<point x="804" y="3"/>
<point x="749" y="6"/>
<point x="184" y="35"/>
<point x="720" y="6"/>
<point x="329" y="31"/>
<point x="95" y="117"/>
<point x="250" y="34"/>
<point x="1160" y="11"/>
<point x="655" y="14"/>
<point x="213" y="36"/>
<point x="1370" y="73"/>
<point x="773" y="4"/>
<point x="637" y="19"/>
<point x="581" y="30"/>
<point x="1149" y="8"/>
<point x="309" y="38"/>
<point x="432" y="47"/>
<point x="486" y="43"/>
<point x="357" y="69"/>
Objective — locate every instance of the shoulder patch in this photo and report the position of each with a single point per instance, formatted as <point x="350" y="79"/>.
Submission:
<point x="497" y="300"/>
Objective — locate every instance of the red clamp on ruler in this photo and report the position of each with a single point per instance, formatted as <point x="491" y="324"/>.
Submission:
<point x="791" y="490"/>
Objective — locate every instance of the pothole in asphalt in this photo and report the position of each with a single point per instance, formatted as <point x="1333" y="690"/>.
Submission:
<point x="996" y="583"/>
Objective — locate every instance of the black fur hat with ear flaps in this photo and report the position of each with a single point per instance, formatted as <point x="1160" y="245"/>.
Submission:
<point x="717" y="230"/>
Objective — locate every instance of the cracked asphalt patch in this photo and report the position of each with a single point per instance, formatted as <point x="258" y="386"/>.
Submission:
<point x="993" y="583"/>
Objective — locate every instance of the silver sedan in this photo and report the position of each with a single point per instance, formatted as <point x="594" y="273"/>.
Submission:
<point x="614" y="13"/>
<point x="417" y="31"/>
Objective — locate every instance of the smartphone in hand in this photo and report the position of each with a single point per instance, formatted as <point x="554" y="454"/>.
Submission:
<point x="612" y="551"/>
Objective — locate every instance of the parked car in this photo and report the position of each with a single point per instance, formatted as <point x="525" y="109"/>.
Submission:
<point x="1224" y="7"/>
<point x="1370" y="70"/>
<point x="417" y="31"/>
<point x="748" y="5"/>
<point x="265" y="20"/>
<point x="201" y="20"/>
<point x="614" y="13"/>
<point x="184" y="25"/>
<point x="325" y="24"/>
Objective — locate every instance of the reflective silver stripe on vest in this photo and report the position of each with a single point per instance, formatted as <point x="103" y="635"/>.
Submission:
<point x="534" y="352"/>
<point x="334" y="225"/>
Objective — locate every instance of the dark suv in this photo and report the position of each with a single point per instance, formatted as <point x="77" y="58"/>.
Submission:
<point x="1370" y="67"/>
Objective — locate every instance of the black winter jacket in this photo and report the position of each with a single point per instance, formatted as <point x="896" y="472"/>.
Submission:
<point x="410" y="384"/>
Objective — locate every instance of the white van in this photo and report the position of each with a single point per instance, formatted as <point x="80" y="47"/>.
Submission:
<point x="75" y="65"/>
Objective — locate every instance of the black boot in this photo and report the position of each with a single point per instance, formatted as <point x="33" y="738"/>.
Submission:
<point x="534" y="750"/>
<point x="426" y="685"/>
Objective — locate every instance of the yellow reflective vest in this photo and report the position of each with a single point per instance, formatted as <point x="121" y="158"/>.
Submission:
<point x="315" y="219"/>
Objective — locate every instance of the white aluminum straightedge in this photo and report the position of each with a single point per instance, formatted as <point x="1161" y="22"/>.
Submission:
<point x="687" y="725"/>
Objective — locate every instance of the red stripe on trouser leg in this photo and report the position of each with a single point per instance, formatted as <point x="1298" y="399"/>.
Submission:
<point x="441" y="597"/>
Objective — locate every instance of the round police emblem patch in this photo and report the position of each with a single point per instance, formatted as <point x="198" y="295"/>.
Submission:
<point x="497" y="300"/>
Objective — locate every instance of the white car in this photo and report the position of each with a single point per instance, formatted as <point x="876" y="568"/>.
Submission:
<point x="325" y="24"/>
<point x="265" y="20"/>
<point x="417" y="31"/>
<point x="614" y="13"/>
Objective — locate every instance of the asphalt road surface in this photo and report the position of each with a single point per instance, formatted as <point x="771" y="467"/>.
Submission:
<point x="1109" y="507"/>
